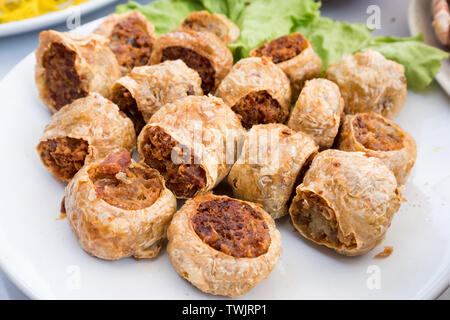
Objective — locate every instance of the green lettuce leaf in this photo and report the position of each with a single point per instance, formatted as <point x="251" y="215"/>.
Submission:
<point x="264" y="20"/>
<point x="215" y="6"/>
<point x="331" y="39"/>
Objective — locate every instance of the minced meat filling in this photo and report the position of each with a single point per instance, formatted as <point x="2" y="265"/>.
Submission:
<point x="318" y="221"/>
<point x="259" y="107"/>
<point x="184" y="179"/>
<point x="194" y="61"/>
<point x="125" y="185"/>
<point x="61" y="78"/>
<point x="123" y="98"/>
<point x="232" y="227"/>
<point x="376" y="134"/>
<point x="63" y="156"/>
<point x="283" y="48"/>
<point x="131" y="44"/>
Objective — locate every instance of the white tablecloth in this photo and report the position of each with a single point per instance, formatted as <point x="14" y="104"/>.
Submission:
<point x="393" y="22"/>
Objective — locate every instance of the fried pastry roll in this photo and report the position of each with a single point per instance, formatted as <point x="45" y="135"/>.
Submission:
<point x="272" y="162"/>
<point x="192" y="142"/>
<point x="146" y="89"/>
<point x="218" y="24"/>
<point x="295" y="56"/>
<point x="381" y="138"/>
<point x="223" y="246"/>
<point x="202" y="51"/>
<point x="345" y="202"/>
<point x="131" y="38"/>
<point x="257" y="90"/>
<point x="69" y="66"/>
<point x="318" y="111"/>
<point x="369" y="83"/>
<point x="87" y="129"/>
<point x="118" y="208"/>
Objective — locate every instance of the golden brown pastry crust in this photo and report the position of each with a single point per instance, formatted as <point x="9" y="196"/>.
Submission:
<point x="269" y="166"/>
<point x="135" y="18"/>
<point x="218" y="24"/>
<point x="203" y="124"/>
<point x="154" y="86"/>
<point x="369" y="83"/>
<point x="205" y="44"/>
<point x="251" y="75"/>
<point x="318" y="111"/>
<point x="95" y="63"/>
<point x="304" y="66"/>
<point x="211" y="270"/>
<point x="398" y="153"/>
<point x="97" y="121"/>
<point x="109" y="232"/>
<point x="346" y="202"/>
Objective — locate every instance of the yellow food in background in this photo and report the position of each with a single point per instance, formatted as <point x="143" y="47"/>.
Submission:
<point x="13" y="10"/>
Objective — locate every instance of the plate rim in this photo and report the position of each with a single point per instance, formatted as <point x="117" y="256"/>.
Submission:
<point x="49" y="19"/>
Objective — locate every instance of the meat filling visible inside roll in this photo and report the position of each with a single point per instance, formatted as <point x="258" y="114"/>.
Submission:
<point x="194" y="61"/>
<point x="125" y="185"/>
<point x="318" y="221"/>
<point x="61" y="78"/>
<point x="376" y="134"/>
<point x="232" y="227"/>
<point x="283" y="48"/>
<point x="259" y="107"/>
<point x="65" y="156"/>
<point x="130" y="43"/>
<point x="123" y="98"/>
<point x="184" y="179"/>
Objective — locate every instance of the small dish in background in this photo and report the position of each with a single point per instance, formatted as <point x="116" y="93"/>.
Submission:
<point x="419" y="20"/>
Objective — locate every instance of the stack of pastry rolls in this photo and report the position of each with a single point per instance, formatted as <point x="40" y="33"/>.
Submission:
<point x="322" y="151"/>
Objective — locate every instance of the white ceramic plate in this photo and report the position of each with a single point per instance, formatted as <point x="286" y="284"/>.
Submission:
<point x="419" y="21"/>
<point x="40" y="254"/>
<point x="49" y="19"/>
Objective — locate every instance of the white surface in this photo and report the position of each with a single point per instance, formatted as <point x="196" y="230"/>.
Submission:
<point x="418" y="233"/>
<point x="419" y="21"/>
<point x="49" y="19"/>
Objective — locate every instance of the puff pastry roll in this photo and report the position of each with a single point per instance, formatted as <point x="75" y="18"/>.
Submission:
<point x="369" y="83"/>
<point x="345" y="202"/>
<point x="295" y="56"/>
<point x="218" y="24"/>
<point x="202" y="51"/>
<point x="87" y="129"/>
<point x="192" y="142"/>
<point x="272" y="162"/>
<point x="223" y="246"/>
<point x="257" y="90"/>
<point x="146" y="89"/>
<point x="69" y="66"/>
<point x="318" y="111"/>
<point x="118" y="208"/>
<point x="381" y="138"/>
<point x="131" y="38"/>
